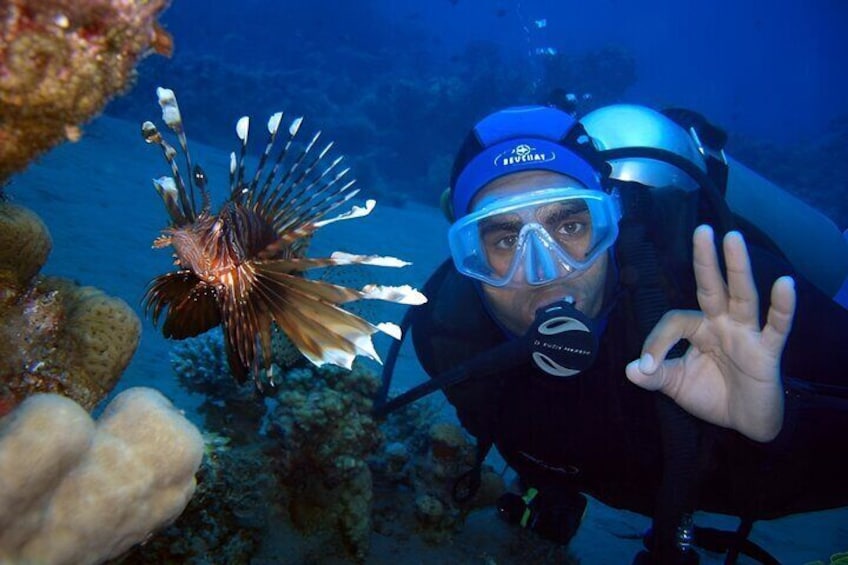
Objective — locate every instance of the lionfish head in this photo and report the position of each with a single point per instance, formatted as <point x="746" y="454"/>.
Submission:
<point x="245" y="266"/>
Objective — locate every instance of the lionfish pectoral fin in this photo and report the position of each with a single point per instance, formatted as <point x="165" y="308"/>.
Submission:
<point x="354" y="212"/>
<point x="403" y="294"/>
<point x="238" y="370"/>
<point x="342" y="258"/>
<point x="324" y="343"/>
<point x="192" y="306"/>
<point x="247" y="329"/>
<point x="308" y="312"/>
<point x="390" y="329"/>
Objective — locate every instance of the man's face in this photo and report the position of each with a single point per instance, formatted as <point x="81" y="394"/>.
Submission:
<point x="515" y="307"/>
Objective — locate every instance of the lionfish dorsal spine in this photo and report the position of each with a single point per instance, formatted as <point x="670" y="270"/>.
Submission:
<point x="261" y="195"/>
<point x="173" y="119"/>
<point x="295" y="189"/>
<point x="167" y="190"/>
<point x="237" y="188"/>
<point x="173" y="195"/>
<point x="311" y="167"/>
<point x="297" y="211"/>
<point x="233" y="166"/>
<point x="288" y="192"/>
<point x="302" y="214"/>
<point x="273" y="126"/>
<point x="276" y="195"/>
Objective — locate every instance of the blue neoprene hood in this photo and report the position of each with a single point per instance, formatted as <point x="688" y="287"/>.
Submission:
<point x="516" y="139"/>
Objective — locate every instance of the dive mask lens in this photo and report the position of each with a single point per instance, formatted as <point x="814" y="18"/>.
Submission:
<point x="534" y="238"/>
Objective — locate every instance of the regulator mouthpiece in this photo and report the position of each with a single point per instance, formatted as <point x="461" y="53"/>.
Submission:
<point x="562" y="339"/>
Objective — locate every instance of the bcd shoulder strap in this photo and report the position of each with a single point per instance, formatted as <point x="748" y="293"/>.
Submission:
<point x="651" y="292"/>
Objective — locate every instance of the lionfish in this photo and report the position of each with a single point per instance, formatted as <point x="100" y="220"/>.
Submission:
<point x="243" y="267"/>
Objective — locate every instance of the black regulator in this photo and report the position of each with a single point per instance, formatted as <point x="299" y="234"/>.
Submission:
<point x="562" y="339"/>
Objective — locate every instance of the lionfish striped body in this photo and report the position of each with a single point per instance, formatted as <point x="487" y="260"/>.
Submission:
<point x="243" y="266"/>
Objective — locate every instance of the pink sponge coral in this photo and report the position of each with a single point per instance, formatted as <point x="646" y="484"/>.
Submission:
<point x="76" y="491"/>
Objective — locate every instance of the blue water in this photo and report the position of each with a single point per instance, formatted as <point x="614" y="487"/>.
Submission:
<point x="772" y="69"/>
<point x="400" y="83"/>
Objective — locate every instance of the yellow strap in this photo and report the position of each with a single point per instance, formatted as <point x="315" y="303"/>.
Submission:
<point x="527" y="498"/>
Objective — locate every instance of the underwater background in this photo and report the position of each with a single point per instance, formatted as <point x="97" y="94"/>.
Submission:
<point x="397" y="85"/>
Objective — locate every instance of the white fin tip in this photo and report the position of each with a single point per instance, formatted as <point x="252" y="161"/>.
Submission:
<point x="242" y="127"/>
<point x="274" y="122"/>
<point x="295" y="125"/>
<point x="355" y="212"/>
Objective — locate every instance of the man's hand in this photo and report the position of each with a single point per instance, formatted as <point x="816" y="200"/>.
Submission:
<point x="730" y="375"/>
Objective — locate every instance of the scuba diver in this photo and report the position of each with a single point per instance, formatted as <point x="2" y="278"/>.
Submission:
<point x="584" y="326"/>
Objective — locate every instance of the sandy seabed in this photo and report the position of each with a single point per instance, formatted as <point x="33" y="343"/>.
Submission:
<point x="97" y="199"/>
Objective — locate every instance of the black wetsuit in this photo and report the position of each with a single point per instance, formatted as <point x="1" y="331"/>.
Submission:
<point x="600" y="434"/>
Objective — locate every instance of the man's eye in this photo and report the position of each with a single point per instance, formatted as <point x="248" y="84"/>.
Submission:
<point x="571" y="229"/>
<point x="506" y="242"/>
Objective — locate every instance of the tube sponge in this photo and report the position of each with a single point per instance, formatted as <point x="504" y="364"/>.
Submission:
<point x="76" y="491"/>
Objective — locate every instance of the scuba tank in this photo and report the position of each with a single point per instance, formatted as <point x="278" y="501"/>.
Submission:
<point x="812" y="244"/>
<point x="653" y="149"/>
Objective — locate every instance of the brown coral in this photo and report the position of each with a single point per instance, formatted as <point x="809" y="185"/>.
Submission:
<point x="61" y="61"/>
<point x="63" y="338"/>
<point x="326" y="432"/>
<point x="56" y="336"/>
<point x="24" y="245"/>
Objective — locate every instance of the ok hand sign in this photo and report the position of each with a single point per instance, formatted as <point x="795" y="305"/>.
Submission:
<point x="730" y="375"/>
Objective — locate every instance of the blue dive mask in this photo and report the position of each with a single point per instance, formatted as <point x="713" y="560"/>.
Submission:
<point x="536" y="237"/>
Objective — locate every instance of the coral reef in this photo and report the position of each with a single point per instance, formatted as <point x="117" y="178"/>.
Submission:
<point x="234" y="508"/>
<point x="56" y="336"/>
<point x="233" y="411"/>
<point x="76" y="491"/>
<point x="61" y="61"/>
<point x="241" y="514"/>
<point x="317" y="479"/>
<point x="415" y="486"/>
<point x="343" y="480"/>
<point x="329" y="456"/>
<point x="24" y="245"/>
<point x="319" y="436"/>
<point x="325" y="431"/>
